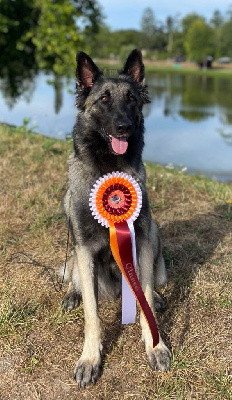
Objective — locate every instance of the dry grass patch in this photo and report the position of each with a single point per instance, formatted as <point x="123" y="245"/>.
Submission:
<point x="39" y="343"/>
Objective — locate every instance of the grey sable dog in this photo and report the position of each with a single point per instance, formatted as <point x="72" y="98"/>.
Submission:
<point x="108" y="136"/>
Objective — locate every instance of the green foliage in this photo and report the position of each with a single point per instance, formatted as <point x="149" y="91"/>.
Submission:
<point x="125" y="50"/>
<point x="46" y="32"/>
<point x="108" y="44"/>
<point x="153" y="37"/>
<point x="217" y="19"/>
<point x="178" y="44"/>
<point x="188" y="20"/>
<point x="101" y="45"/>
<point x="16" y="19"/>
<point x="16" y="316"/>
<point x="199" y="41"/>
<point x="56" y="37"/>
<point x="226" y="38"/>
<point x="148" y="27"/>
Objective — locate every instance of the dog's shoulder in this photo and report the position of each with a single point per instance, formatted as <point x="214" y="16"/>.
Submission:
<point x="81" y="178"/>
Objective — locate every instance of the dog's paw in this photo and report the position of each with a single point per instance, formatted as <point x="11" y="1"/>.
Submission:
<point x="86" y="373"/>
<point x="71" y="300"/>
<point x="159" y="357"/>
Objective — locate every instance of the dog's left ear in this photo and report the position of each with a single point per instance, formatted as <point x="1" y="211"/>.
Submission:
<point x="87" y="72"/>
<point x="134" y="66"/>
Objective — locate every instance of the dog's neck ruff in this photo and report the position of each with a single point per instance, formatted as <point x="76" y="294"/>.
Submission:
<point x="115" y="201"/>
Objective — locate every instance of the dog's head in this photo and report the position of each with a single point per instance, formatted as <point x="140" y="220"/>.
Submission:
<point x="112" y="107"/>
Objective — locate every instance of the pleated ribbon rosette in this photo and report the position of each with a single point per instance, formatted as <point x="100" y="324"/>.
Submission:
<point x="115" y="201"/>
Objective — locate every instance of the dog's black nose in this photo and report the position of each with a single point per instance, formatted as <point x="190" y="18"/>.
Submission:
<point x="123" y="127"/>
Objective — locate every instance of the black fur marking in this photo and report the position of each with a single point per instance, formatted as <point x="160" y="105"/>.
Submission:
<point x="134" y="66"/>
<point x="110" y="112"/>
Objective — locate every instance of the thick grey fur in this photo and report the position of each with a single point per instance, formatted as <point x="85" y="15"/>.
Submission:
<point x="107" y="107"/>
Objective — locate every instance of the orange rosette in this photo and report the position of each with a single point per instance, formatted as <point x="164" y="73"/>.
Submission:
<point x="115" y="201"/>
<point x="115" y="197"/>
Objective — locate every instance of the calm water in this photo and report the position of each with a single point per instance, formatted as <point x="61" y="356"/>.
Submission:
<point x="188" y="123"/>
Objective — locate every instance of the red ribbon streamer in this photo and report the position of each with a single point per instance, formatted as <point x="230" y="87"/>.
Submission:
<point x="121" y="246"/>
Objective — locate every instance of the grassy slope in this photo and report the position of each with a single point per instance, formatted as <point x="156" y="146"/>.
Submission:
<point x="39" y="344"/>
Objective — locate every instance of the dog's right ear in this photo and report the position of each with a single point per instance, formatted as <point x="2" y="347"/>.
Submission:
<point x="134" y="66"/>
<point x="87" y="72"/>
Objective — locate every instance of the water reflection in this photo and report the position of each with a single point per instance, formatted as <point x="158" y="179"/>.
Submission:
<point x="194" y="98"/>
<point x="58" y="84"/>
<point x="189" y="120"/>
<point x="17" y="80"/>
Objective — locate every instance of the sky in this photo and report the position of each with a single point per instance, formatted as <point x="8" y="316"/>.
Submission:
<point x="126" y="14"/>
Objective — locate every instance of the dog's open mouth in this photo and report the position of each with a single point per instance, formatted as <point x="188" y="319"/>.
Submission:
<point x="119" y="144"/>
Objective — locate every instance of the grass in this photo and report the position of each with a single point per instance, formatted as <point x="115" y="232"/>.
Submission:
<point x="180" y="68"/>
<point x="196" y="71"/>
<point x="39" y="343"/>
<point x="15" y="316"/>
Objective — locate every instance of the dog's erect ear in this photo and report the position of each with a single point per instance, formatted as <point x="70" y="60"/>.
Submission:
<point x="134" y="66"/>
<point x="87" y="72"/>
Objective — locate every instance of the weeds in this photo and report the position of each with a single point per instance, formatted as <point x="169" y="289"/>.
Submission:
<point x="14" y="316"/>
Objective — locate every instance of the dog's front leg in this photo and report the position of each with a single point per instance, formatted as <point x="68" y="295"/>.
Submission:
<point x="87" y="369"/>
<point x="159" y="357"/>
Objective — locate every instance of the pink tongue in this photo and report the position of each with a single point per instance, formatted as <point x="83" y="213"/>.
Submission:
<point x="119" y="145"/>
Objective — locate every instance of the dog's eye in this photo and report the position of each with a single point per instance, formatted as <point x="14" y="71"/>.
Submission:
<point x="131" y="97"/>
<point x="104" y="99"/>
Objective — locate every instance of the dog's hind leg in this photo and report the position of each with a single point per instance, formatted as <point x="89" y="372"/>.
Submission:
<point x="159" y="302"/>
<point x="70" y="274"/>
<point x="160" y="278"/>
<point x="71" y="299"/>
<point x="87" y="369"/>
<point x="159" y="357"/>
<point x="160" y="271"/>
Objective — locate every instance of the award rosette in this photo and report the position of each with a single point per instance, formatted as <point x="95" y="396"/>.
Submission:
<point x="115" y="201"/>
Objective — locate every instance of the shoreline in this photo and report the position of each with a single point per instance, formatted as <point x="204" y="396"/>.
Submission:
<point x="184" y="67"/>
<point x="219" y="177"/>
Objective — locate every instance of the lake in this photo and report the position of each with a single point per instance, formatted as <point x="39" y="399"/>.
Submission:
<point x="188" y="123"/>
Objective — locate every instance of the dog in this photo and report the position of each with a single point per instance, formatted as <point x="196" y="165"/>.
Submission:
<point x="108" y="136"/>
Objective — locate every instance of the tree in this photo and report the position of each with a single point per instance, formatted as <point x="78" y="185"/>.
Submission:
<point x="160" y="39"/>
<point x="173" y="34"/>
<point x="148" y="22"/>
<point x="18" y="65"/>
<point x="107" y="44"/>
<point x="148" y="28"/>
<point x="178" y="48"/>
<point x="199" y="41"/>
<point x="170" y="28"/>
<point x="55" y="28"/>
<point x="217" y="19"/>
<point x="16" y="19"/>
<point x="58" y="35"/>
<point x="216" y="22"/>
<point x="188" y="20"/>
<point x="226" y="38"/>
